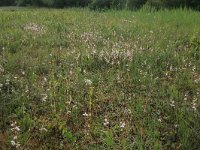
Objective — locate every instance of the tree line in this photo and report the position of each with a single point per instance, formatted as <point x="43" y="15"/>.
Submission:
<point x="105" y="4"/>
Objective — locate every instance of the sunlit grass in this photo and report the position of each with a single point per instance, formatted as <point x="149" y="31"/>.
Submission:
<point x="79" y="79"/>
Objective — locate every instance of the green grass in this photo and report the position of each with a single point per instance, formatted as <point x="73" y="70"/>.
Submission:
<point x="78" y="79"/>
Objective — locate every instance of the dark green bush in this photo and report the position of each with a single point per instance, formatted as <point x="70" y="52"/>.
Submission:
<point x="54" y="3"/>
<point x="118" y="4"/>
<point x="100" y="4"/>
<point x="135" y="4"/>
<point x="173" y="3"/>
<point x="77" y="3"/>
<point x="7" y="2"/>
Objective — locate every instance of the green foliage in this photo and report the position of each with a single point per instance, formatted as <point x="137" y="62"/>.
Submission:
<point x="100" y="4"/>
<point x="118" y="4"/>
<point x="106" y="4"/>
<point x="135" y="4"/>
<point x="173" y="3"/>
<point x="53" y="3"/>
<point x="7" y="2"/>
<point x="80" y="79"/>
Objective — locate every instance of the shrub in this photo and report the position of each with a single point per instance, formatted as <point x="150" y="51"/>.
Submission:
<point x="7" y="2"/>
<point x="118" y="4"/>
<point x="135" y="4"/>
<point x="100" y="4"/>
<point x="106" y="4"/>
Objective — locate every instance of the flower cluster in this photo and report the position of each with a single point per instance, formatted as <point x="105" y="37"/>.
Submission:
<point x="33" y="27"/>
<point x="106" y="122"/>
<point x="15" y="130"/>
<point x="88" y="82"/>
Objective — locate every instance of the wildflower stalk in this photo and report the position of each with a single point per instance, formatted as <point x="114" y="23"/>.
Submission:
<point x="90" y="92"/>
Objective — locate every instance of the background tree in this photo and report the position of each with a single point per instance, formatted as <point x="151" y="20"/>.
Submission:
<point x="7" y="2"/>
<point x="100" y="4"/>
<point x="105" y="4"/>
<point x="118" y="4"/>
<point x="135" y="4"/>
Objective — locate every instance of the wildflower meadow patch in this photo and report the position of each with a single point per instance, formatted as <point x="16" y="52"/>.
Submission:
<point x="80" y="79"/>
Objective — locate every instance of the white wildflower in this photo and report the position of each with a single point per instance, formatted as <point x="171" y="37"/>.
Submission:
<point x="85" y="114"/>
<point x="15" y="137"/>
<point x="44" y="98"/>
<point x="69" y="112"/>
<point x="106" y="122"/>
<point x="196" y="80"/>
<point x="71" y="72"/>
<point x="172" y="104"/>
<point x="194" y="104"/>
<point x="13" y="124"/>
<point x="26" y="89"/>
<point x="88" y="82"/>
<point x="17" y="128"/>
<point x="7" y="81"/>
<point x="45" y="79"/>
<point x="122" y="124"/>
<point x="18" y="145"/>
<point x="43" y="129"/>
<point x="13" y="143"/>
<point x="34" y="27"/>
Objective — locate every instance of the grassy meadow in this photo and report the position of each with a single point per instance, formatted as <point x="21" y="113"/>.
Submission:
<point x="80" y="79"/>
